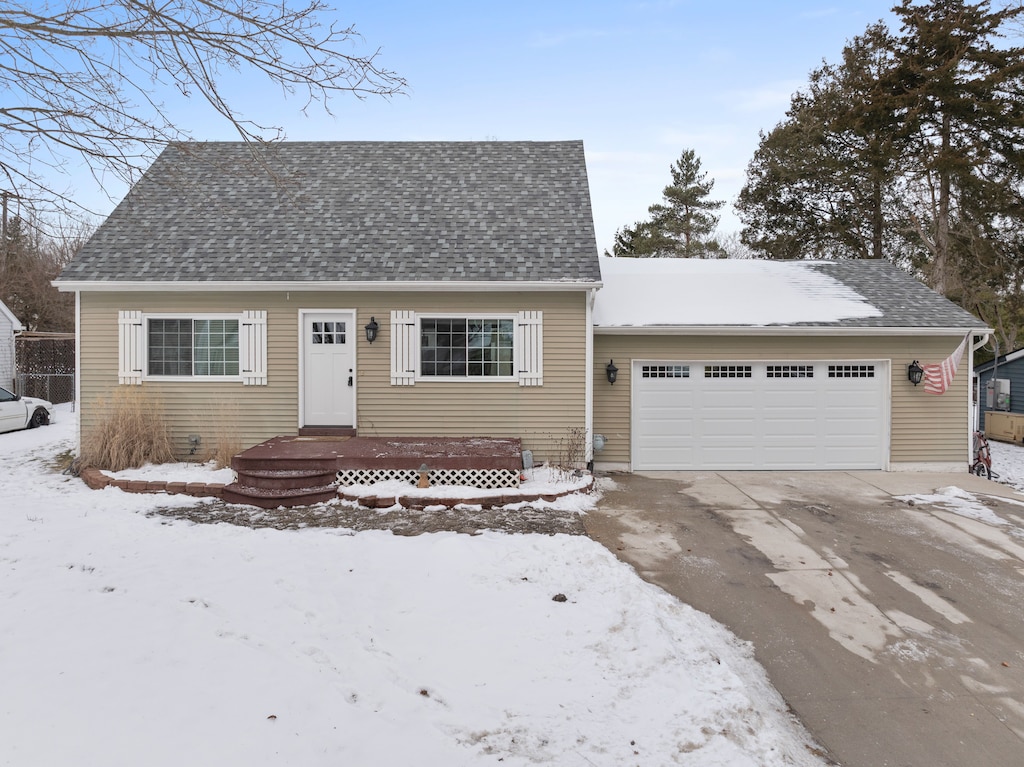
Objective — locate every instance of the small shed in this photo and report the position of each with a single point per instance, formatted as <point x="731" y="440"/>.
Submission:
<point x="1000" y="386"/>
<point x="9" y="326"/>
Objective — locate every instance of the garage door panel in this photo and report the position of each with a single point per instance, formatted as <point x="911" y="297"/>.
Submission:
<point x="822" y="415"/>
<point x="726" y="457"/>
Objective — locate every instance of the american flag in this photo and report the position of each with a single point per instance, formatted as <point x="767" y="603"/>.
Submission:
<point x="937" y="378"/>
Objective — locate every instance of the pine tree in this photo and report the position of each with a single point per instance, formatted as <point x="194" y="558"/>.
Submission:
<point x="682" y="225"/>
<point x="824" y="182"/>
<point x="960" y="100"/>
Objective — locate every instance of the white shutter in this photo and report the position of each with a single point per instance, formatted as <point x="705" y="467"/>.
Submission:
<point x="403" y="348"/>
<point x="129" y="348"/>
<point x="531" y="348"/>
<point x="252" y="347"/>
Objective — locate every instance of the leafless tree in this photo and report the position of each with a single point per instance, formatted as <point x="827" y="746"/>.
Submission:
<point x="86" y="80"/>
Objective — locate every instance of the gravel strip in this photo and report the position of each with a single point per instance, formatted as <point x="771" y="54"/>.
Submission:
<point x="400" y="521"/>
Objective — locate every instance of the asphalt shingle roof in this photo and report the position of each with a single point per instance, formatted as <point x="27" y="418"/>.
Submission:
<point x="352" y="211"/>
<point x="904" y="302"/>
<point x="740" y="293"/>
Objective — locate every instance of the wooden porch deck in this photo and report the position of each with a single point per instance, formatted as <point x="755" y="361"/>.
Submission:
<point x="301" y="470"/>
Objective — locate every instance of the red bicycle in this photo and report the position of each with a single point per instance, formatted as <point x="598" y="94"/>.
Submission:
<point x="982" y="465"/>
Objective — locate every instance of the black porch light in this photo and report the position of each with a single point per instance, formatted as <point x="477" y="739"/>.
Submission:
<point x="611" y="371"/>
<point x="371" y="330"/>
<point x="915" y="372"/>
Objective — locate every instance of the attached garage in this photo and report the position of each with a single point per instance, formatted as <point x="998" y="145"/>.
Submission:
<point x="767" y="365"/>
<point x="736" y="414"/>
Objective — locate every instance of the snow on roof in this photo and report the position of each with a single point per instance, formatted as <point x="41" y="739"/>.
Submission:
<point x="689" y="291"/>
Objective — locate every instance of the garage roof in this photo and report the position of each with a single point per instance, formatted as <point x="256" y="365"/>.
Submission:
<point x="676" y="293"/>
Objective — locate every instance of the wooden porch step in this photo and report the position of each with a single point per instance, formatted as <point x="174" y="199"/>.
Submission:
<point x="268" y="498"/>
<point x="327" y="431"/>
<point x="284" y="479"/>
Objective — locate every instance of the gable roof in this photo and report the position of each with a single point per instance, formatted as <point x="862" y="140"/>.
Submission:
<point x="641" y="294"/>
<point x="15" y="323"/>
<point x="350" y="212"/>
<point x="1003" y="359"/>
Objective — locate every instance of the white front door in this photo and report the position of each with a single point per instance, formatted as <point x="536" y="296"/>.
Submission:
<point x="328" y="369"/>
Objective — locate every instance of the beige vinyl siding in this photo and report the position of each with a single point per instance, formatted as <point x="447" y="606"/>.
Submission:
<point x="925" y="428"/>
<point x="540" y="415"/>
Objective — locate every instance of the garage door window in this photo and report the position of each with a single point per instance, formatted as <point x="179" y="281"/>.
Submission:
<point x="665" y="371"/>
<point x="851" y="371"/>
<point x="790" y="371"/>
<point x="727" y="371"/>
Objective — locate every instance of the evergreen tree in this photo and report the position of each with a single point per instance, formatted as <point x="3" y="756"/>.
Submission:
<point x="680" y="226"/>
<point x="824" y="182"/>
<point x="960" y="100"/>
<point x="912" y="149"/>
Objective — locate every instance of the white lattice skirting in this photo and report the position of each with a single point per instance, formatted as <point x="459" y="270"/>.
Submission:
<point x="487" y="479"/>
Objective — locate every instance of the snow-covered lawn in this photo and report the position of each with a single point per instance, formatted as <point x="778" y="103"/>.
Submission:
<point x="1008" y="463"/>
<point x="128" y="639"/>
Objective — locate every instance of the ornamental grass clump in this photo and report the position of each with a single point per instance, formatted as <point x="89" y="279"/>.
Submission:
<point x="130" y="433"/>
<point x="228" y="443"/>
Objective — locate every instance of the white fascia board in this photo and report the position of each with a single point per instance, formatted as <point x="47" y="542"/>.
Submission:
<point x="1003" y="360"/>
<point x="16" y="325"/>
<point x="414" y="286"/>
<point x="805" y="330"/>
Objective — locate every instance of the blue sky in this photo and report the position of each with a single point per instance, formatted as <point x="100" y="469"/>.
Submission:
<point x="638" y="82"/>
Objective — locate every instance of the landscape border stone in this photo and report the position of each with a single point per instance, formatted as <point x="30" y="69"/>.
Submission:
<point x="97" y="480"/>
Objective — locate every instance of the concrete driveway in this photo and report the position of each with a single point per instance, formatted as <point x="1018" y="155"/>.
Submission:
<point x="894" y="629"/>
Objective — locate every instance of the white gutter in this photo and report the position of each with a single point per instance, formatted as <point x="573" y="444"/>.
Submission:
<point x="588" y="417"/>
<point x="277" y="286"/>
<point x="78" y="373"/>
<point x="780" y="330"/>
<point x="973" y="414"/>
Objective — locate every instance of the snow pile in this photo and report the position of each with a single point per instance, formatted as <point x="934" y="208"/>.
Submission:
<point x="718" y="292"/>
<point x="177" y="472"/>
<point x="130" y="639"/>
<point x="959" y="502"/>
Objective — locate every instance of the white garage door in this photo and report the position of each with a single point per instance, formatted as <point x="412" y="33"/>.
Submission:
<point x="759" y="415"/>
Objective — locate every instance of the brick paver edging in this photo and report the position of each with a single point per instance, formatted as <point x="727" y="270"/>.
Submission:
<point x="97" y="480"/>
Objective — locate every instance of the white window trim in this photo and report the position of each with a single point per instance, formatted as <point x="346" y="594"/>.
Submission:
<point x="133" y="346"/>
<point x="527" y="347"/>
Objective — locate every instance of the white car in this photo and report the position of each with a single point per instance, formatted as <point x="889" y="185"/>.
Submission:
<point x="17" y="412"/>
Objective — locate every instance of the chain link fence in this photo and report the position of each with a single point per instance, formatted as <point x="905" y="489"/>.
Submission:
<point x="45" y="364"/>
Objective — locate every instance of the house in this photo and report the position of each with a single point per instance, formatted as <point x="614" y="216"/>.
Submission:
<point x="9" y="327"/>
<point x="734" y="364"/>
<point x="454" y="289"/>
<point x="237" y="297"/>
<point x="999" y="386"/>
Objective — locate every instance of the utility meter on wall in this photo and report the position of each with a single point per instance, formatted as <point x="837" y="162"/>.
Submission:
<point x="997" y="394"/>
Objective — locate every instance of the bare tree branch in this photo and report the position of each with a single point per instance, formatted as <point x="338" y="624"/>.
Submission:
<point x="82" y="80"/>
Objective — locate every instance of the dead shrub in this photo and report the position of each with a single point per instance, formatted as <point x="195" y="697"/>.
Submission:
<point x="130" y="433"/>
<point x="571" y="450"/>
<point x="229" y="443"/>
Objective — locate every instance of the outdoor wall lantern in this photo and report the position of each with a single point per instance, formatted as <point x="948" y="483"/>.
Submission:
<point x="915" y="372"/>
<point x="611" y="371"/>
<point x="371" y="330"/>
